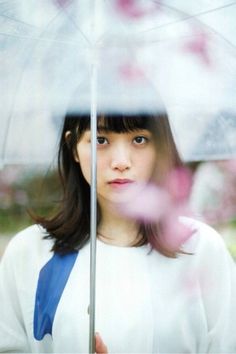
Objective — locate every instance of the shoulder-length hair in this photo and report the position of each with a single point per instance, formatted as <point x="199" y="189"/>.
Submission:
<point x="70" y="227"/>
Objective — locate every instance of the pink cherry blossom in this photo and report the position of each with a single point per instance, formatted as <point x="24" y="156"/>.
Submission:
<point x="164" y="206"/>
<point x="62" y="3"/>
<point x="132" y="9"/>
<point x="147" y="202"/>
<point x="179" y="183"/>
<point x="130" y="72"/>
<point x="198" y="45"/>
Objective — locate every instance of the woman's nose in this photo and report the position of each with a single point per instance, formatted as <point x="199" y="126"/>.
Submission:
<point x="121" y="159"/>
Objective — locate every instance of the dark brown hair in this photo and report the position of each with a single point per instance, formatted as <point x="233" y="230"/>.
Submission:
<point x="70" y="227"/>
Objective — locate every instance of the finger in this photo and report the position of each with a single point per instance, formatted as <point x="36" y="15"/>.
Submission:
<point x="100" y="347"/>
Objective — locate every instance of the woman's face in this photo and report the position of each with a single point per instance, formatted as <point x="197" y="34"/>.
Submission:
<point x="123" y="160"/>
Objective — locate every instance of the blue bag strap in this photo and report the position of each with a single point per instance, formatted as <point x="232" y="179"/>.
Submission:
<point x="51" y="283"/>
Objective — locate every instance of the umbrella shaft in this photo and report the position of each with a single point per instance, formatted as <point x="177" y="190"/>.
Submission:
<point x="93" y="208"/>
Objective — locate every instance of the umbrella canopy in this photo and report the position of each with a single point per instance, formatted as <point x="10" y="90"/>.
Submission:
<point x="114" y="56"/>
<point x="143" y="55"/>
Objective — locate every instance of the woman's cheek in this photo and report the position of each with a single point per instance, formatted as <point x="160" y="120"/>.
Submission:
<point x="85" y="168"/>
<point x="102" y="163"/>
<point x="85" y="164"/>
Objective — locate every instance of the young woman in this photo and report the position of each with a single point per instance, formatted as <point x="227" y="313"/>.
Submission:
<point x="149" y="298"/>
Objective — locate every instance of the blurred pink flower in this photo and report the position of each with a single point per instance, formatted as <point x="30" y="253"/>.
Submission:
<point x="132" y="9"/>
<point x="214" y="191"/>
<point x="179" y="184"/>
<point x="130" y="71"/>
<point x="228" y="166"/>
<point x="174" y="232"/>
<point x="198" y="44"/>
<point x="10" y="175"/>
<point x="147" y="202"/>
<point x="151" y="203"/>
<point x="62" y="3"/>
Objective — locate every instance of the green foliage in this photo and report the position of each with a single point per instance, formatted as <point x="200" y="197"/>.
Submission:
<point x="232" y="249"/>
<point x="36" y="193"/>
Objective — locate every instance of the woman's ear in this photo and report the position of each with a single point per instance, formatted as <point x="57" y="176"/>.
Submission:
<point x="67" y="136"/>
<point x="68" y="142"/>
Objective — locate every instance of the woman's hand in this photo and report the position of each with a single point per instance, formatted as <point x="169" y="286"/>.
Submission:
<point x="100" y="347"/>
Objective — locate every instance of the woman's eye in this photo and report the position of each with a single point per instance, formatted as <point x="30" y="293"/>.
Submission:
<point x="140" y="140"/>
<point x="101" y="140"/>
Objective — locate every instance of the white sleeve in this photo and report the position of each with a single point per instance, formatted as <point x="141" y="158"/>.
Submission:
<point x="219" y="297"/>
<point x="12" y="332"/>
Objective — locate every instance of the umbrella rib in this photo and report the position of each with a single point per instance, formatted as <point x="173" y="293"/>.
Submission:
<point x="16" y="20"/>
<point x="9" y="122"/>
<point x="52" y="40"/>
<point x="44" y="29"/>
<point x="195" y="16"/>
<point x="77" y="27"/>
<point x="11" y="114"/>
<point x="187" y="17"/>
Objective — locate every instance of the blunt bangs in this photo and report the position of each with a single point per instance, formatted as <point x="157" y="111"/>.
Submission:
<point x="125" y="123"/>
<point x="116" y="123"/>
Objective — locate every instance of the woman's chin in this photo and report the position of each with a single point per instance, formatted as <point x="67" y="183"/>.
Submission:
<point x="126" y="194"/>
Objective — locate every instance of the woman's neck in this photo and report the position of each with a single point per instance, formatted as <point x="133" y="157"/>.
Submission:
<point x="117" y="230"/>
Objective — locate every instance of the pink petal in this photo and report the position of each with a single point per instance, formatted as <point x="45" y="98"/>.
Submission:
<point x="175" y="233"/>
<point x="131" y="9"/>
<point x="62" y="3"/>
<point x="199" y="46"/>
<point x="131" y="72"/>
<point x="148" y="203"/>
<point x="179" y="183"/>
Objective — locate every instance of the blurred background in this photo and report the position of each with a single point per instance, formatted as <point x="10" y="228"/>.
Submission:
<point x="25" y="190"/>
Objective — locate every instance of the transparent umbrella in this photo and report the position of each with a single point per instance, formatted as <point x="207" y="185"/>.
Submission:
<point x="118" y="55"/>
<point x="185" y="50"/>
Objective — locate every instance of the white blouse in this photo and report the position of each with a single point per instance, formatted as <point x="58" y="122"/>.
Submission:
<point x="145" y="302"/>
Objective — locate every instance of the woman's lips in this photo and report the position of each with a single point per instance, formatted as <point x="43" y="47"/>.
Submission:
<point x="120" y="182"/>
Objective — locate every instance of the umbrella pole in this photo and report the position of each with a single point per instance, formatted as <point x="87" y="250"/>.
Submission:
<point x="93" y="209"/>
